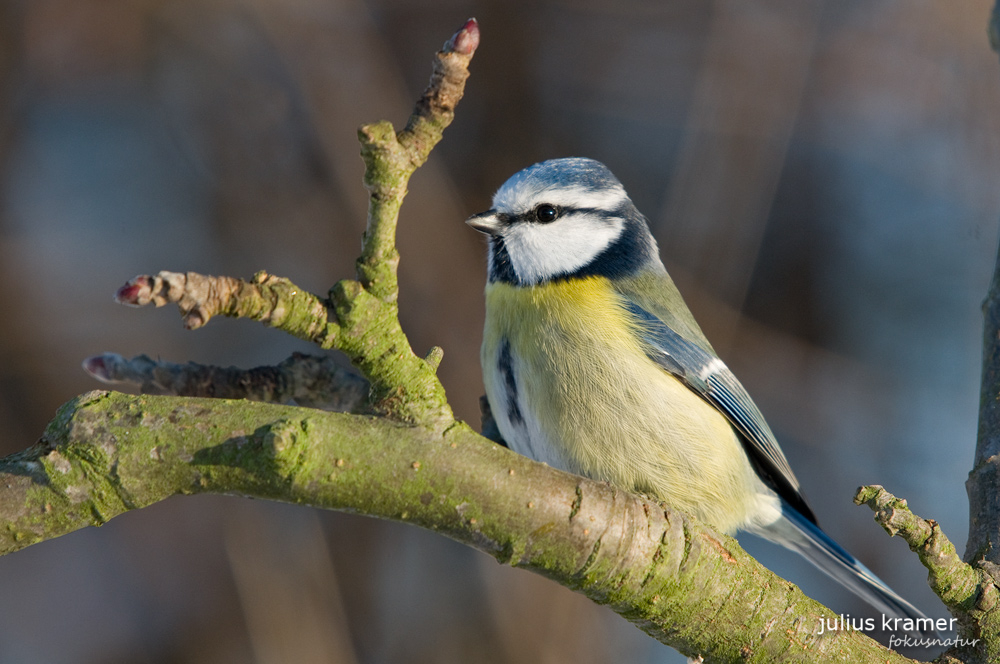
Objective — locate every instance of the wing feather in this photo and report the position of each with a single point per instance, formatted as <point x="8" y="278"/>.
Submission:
<point x="710" y="378"/>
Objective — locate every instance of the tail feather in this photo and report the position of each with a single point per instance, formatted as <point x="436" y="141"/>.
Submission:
<point x="797" y="533"/>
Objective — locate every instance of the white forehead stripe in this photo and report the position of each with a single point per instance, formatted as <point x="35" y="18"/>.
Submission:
<point x="541" y="251"/>
<point x="516" y="197"/>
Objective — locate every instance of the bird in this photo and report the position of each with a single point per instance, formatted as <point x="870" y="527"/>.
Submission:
<point x="594" y="364"/>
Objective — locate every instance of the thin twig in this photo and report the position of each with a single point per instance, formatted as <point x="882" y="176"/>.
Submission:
<point x="305" y="380"/>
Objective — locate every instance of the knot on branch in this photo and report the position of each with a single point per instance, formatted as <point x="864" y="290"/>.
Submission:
<point x="267" y="462"/>
<point x="286" y="443"/>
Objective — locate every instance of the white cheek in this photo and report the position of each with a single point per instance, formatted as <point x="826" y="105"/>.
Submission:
<point x="539" y="251"/>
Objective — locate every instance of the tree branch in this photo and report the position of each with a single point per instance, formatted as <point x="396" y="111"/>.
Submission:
<point x="969" y="591"/>
<point x="391" y="158"/>
<point x="306" y="380"/>
<point x="107" y="453"/>
<point x="983" y="485"/>
<point x="268" y="299"/>
<point x="402" y="385"/>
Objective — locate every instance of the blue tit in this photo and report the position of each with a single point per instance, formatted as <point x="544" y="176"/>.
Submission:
<point x="594" y="364"/>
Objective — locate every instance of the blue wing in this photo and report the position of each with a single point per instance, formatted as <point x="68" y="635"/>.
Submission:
<point x="711" y="379"/>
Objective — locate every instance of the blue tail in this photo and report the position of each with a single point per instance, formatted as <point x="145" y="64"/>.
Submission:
<point x="797" y="533"/>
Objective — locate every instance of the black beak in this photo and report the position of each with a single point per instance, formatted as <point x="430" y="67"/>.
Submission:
<point x="489" y="222"/>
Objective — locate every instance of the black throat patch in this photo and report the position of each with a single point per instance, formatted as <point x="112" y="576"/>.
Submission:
<point x="500" y="268"/>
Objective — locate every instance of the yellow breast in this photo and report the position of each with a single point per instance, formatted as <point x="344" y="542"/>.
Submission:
<point x="569" y="383"/>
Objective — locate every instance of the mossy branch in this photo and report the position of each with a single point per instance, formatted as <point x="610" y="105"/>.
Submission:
<point x="359" y="317"/>
<point x="391" y="157"/>
<point x="969" y="591"/>
<point x="106" y="453"/>
<point x="274" y="301"/>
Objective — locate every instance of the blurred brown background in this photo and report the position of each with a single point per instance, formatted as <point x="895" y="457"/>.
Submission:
<point x="822" y="177"/>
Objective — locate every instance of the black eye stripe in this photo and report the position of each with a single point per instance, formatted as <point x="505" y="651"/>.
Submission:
<point x="602" y="213"/>
<point x="632" y="251"/>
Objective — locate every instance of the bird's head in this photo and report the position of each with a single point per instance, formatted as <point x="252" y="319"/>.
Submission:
<point x="563" y="218"/>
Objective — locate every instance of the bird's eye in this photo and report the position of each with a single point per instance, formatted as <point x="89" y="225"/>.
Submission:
<point x="545" y="213"/>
